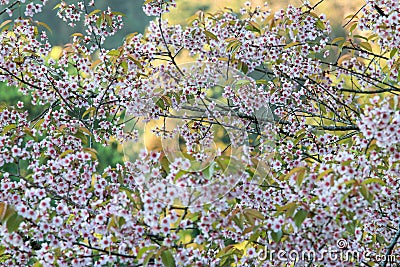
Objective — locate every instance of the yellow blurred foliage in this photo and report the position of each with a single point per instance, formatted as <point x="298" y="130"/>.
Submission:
<point x="56" y="52"/>
<point x="335" y="10"/>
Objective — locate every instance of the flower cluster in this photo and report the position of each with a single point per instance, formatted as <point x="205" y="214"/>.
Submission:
<point x="381" y="122"/>
<point x="383" y="18"/>
<point x="302" y="152"/>
<point x="157" y="7"/>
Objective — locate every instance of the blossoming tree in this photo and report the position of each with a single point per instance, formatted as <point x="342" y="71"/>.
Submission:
<point x="276" y="137"/>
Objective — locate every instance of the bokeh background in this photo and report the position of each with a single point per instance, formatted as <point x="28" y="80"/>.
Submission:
<point x="136" y="21"/>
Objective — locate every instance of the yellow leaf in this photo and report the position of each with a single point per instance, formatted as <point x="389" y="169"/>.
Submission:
<point x="56" y="52"/>
<point x="374" y="180"/>
<point x="323" y="174"/>
<point x="287" y="206"/>
<point x="338" y="39"/>
<point x="295" y="170"/>
<point x="8" y="128"/>
<point x="66" y="152"/>
<point x="230" y="39"/>
<point x="248" y="230"/>
<point x="44" y="25"/>
<point x="94" y="180"/>
<point x="366" y="46"/>
<point x="254" y="213"/>
<point x="95" y="63"/>
<point x="91" y="151"/>
<point x="342" y="58"/>
<point x="291" y="44"/>
<point x="85" y="130"/>
<point x="89" y="110"/>
<point x="4" y="23"/>
<point x="3" y="209"/>
<point x="77" y="34"/>
<point x="94" y="12"/>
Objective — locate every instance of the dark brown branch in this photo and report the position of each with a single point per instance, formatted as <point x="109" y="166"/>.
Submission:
<point x="351" y="19"/>
<point x="8" y="8"/>
<point x="366" y="77"/>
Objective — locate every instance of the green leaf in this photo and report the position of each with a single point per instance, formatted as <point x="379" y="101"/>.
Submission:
<point x="114" y="52"/>
<point x="288" y="206"/>
<point x="209" y="171"/>
<point x="366" y="194"/>
<point x="255" y="26"/>
<point x="88" y="111"/>
<point x="244" y="68"/>
<point x="393" y="52"/>
<point x="261" y="81"/>
<point x="13" y="222"/>
<point x="300" y="173"/>
<point x="255" y="235"/>
<point x="124" y="66"/>
<point x="238" y="221"/>
<point x="233" y="45"/>
<point x="345" y="196"/>
<point x="366" y="46"/>
<point x="323" y="174"/>
<point x="291" y="44"/>
<point x="277" y="236"/>
<point x="167" y="259"/>
<point x="137" y="62"/>
<point x="44" y="25"/>
<point x="241" y="83"/>
<point x="351" y="228"/>
<point x="160" y="103"/>
<point x="300" y="216"/>
<point x="5" y="211"/>
<point x="211" y="35"/>
<point x="8" y="128"/>
<point x="94" y="12"/>
<point x="353" y="27"/>
<point x="300" y="177"/>
<point x="320" y="25"/>
<point x="66" y="152"/>
<point x="99" y="21"/>
<point x="249" y="218"/>
<point x="337" y="40"/>
<point x="142" y="251"/>
<point x="4" y="23"/>
<point x="361" y="37"/>
<point x="148" y="257"/>
<point x="117" y="13"/>
<point x="374" y="180"/>
<point x="380" y="239"/>
<point x="254" y="213"/>
<point x="108" y="19"/>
